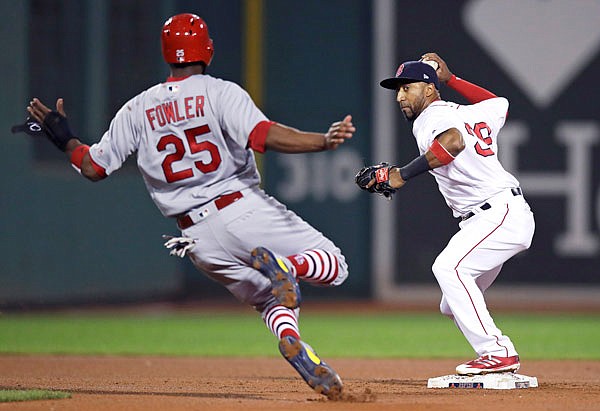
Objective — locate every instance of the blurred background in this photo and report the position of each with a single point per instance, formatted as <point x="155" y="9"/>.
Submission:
<point x="69" y="242"/>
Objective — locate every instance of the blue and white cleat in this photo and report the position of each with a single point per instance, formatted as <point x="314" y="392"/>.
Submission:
<point x="285" y="288"/>
<point x="320" y="376"/>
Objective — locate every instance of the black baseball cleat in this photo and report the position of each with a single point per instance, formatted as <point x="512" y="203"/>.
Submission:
<point x="320" y="376"/>
<point x="285" y="288"/>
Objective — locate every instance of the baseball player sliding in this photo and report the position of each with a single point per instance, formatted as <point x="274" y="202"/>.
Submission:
<point x="459" y="146"/>
<point x="194" y="136"/>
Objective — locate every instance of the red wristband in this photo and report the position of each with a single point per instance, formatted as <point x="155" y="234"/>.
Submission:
<point x="78" y="154"/>
<point x="440" y="152"/>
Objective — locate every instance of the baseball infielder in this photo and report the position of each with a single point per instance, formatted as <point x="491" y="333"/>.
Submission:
<point x="459" y="147"/>
<point x="194" y="137"/>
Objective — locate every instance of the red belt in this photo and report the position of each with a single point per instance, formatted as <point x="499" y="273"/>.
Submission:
<point x="186" y="221"/>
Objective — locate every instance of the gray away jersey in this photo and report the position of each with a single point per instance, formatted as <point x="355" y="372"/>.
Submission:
<point x="191" y="138"/>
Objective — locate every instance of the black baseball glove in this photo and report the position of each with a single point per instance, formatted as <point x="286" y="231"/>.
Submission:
<point x="381" y="174"/>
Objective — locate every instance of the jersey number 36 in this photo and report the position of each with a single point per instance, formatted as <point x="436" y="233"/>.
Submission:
<point x="195" y="146"/>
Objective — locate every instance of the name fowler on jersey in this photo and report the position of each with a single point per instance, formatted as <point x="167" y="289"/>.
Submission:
<point x="170" y="112"/>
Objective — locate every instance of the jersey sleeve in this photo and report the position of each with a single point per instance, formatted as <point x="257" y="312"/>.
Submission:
<point x="497" y="110"/>
<point x="470" y="91"/>
<point x="118" y="142"/>
<point x="437" y="122"/>
<point x="238" y="115"/>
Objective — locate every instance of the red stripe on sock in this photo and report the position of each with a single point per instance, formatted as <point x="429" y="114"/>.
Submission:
<point x="300" y="264"/>
<point x="289" y="332"/>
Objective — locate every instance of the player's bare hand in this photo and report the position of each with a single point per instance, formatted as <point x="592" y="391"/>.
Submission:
<point x="39" y="110"/>
<point x="442" y="71"/>
<point x="339" y="132"/>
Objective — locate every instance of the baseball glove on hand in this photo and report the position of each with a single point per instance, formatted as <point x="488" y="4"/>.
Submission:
<point x="381" y="174"/>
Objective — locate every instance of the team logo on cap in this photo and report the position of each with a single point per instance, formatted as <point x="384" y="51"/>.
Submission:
<point x="400" y="69"/>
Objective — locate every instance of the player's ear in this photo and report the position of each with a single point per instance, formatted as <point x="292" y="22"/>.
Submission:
<point x="429" y="89"/>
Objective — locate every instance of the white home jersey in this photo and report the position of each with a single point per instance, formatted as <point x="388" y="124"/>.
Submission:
<point x="475" y="175"/>
<point x="191" y="138"/>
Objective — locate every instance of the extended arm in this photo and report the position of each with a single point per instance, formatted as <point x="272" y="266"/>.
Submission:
<point x="286" y="139"/>
<point x="57" y="126"/>
<point x="442" y="151"/>
<point x="385" y="179"/>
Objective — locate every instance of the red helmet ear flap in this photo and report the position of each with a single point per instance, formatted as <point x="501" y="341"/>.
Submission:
<point x="185" y="39"/>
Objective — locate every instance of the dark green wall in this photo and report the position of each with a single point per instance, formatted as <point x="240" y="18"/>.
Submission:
<point x="317" y="73"/>
<point x="65" y="239"/>
<point x="69" y="240"/>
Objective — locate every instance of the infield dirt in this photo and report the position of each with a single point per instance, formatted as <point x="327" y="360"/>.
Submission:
<point x="220" y="384"/>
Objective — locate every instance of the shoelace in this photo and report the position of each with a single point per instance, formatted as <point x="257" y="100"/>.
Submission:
<point x="486" y="360"/>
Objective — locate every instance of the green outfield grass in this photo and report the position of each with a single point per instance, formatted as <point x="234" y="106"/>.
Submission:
<point x="31" y="395"/>
<point x="409" y="335"/>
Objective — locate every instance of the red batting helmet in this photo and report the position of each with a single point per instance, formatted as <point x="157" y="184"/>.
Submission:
<point x="185" y="40"/>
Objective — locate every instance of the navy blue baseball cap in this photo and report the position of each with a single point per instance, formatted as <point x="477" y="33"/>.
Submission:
<point x="412" y="72"/>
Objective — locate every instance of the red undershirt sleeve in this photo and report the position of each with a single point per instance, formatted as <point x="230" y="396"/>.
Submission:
<point x="258" y="136"/>
<point x="470" y="91"/>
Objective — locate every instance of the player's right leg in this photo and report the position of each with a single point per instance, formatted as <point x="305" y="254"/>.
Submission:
<point x="475" y="250"/>
<point x="249" y="286"/>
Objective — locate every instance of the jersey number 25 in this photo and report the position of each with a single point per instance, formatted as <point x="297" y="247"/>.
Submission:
<point x="195" y="146"/>
<point x="483" y="132"/>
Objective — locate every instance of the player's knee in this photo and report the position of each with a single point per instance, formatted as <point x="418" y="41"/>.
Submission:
<point x="342" y="273"/>
<point x="445" y="308"/>
<point x="441" y="267"/>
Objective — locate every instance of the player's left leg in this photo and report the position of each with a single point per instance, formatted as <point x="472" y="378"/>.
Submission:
<point x="483" y="282"/>
<point x="280" y="273"/>
<point x="309" y="255"/>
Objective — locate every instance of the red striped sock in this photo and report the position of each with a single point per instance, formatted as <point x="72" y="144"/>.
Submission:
<point x="316" y="266"/>
<point x="281" y="321"/>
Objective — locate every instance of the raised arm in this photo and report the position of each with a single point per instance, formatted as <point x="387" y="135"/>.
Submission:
<point x="470" y="91"/>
